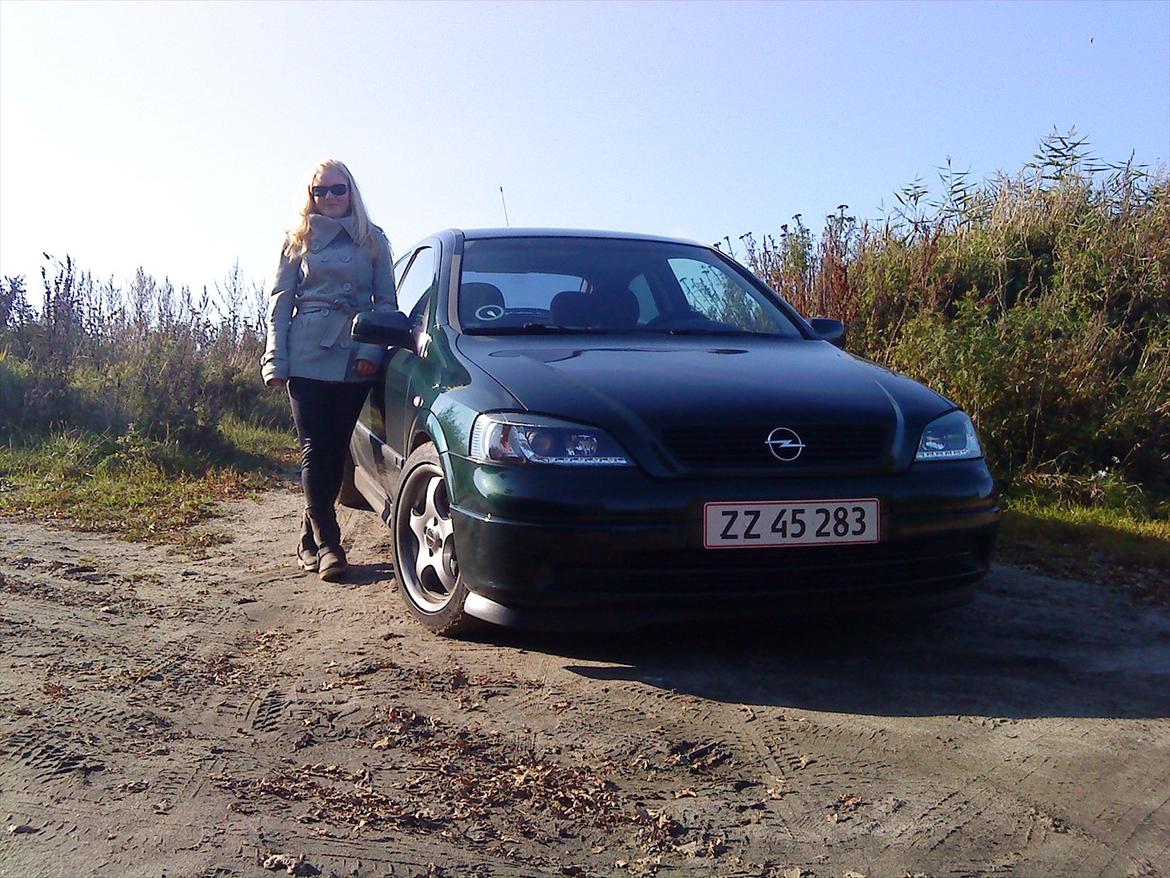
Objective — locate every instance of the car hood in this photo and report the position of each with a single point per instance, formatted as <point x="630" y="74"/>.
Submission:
<point x="644" y="386"/>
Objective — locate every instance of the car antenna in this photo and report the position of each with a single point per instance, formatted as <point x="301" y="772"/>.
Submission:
<point x="508" y="224"/>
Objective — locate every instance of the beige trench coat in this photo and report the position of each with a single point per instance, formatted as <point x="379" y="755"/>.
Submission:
<point x="314" y="299"/>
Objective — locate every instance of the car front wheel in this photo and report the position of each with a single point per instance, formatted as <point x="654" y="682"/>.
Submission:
<point x="425" y="561"/>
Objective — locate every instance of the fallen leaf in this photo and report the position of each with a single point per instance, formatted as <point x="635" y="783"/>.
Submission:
<point x="850" y="802"/>
<point x="305" y="740"/>
<point x="291" y="865"/>
<point x="704" y="847"/>
<point x="646" y="865"/>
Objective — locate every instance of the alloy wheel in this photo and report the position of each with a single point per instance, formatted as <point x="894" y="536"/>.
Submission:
<point x="426" y="537"/>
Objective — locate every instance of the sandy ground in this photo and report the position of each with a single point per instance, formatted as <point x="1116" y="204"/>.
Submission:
<point x="163" y="716"/>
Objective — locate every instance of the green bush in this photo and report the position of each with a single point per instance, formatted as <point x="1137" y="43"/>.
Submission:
<point x="1039" y="302"/>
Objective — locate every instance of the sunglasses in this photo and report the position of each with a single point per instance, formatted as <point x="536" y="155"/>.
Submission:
<point x="337" y="189"/>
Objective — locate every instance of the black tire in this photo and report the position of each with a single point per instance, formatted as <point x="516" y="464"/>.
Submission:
<point x="349" y="495"/>
<point x="426" y="565"/>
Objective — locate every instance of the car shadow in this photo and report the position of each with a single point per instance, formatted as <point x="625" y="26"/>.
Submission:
<point x="1029" y="646"/>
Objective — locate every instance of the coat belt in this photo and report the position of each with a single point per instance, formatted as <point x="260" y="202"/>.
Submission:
<point x="333" y="332"/>
<point x="316" y="307"/>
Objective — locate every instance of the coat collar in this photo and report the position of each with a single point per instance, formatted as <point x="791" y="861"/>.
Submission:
<point x="324" y="229"/>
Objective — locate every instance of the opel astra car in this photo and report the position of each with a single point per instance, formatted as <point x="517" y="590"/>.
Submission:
<point x="604" y="430"/>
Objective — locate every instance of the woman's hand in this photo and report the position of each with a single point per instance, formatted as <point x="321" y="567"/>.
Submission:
<point x="276" y="382"/>
<point x="365" y="368"/>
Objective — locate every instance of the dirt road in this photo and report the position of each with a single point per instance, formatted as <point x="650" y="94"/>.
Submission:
<point x="162" y="716"/>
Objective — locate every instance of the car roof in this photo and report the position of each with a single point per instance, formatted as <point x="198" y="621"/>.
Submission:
<point x="483" y="234"/>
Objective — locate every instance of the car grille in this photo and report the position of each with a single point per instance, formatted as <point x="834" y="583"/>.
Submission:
<point x="745" y="446"/>
<point x="782" y="570"/>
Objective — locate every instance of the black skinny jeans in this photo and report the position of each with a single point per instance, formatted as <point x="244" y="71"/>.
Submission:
<point x="325" y="413"/>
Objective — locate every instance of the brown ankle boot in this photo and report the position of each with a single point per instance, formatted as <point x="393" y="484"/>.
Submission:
<point x="307" y="546"/>
<point x="331" y="563"/>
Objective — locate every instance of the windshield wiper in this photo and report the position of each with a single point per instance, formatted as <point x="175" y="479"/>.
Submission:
<point x="530" y="329"/>
<point x="694" y="330"/>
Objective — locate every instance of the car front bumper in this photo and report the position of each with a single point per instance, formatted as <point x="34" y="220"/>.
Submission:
<point x="614" y="548"/>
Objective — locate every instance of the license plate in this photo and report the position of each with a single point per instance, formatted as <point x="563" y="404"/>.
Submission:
<point x="790" y="523"/>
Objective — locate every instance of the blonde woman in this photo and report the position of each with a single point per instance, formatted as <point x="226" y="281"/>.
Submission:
<point x="334" y="264"/>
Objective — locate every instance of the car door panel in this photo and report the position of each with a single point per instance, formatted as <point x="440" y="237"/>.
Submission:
<point x="394" y="414"/>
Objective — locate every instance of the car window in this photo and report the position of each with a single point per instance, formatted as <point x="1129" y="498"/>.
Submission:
<point x="418" y="282"/>
<point x="640" y="287"/>
<point x="418" y="312"/>
<point x="554" y="284"/>
<point x="400" y="267"/>
<point x="720" y="296"/>
<point x="529" y="291"/>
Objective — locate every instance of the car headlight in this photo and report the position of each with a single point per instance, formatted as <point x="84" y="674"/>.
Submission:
<point x="525" y="439"/>
<point x="951" y="437"/>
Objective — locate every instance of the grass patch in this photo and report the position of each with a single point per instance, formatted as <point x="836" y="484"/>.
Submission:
<point x="1095" y="543"/>
<point x="140" y="488"/>
<point x="271" y="445"/>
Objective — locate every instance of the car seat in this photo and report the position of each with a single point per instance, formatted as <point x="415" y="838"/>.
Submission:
<point x="571" y="308"/>
<point x="474" y="296"/>
<point x="616" y="309"/>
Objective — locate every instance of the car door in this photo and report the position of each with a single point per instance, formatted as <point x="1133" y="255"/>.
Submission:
<point x="378" y="441"/>
<point x="415" y="291"/>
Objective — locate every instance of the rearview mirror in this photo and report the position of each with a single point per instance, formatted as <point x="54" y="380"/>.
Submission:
<point x="390" y="329"/>
<point x="832" y="331"/>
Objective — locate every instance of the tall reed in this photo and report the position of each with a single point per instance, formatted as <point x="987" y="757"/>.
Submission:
<point x="1039" y="301"/>
<point x="98" y="357"/>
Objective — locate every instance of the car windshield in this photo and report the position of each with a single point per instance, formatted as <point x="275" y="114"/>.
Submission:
<point x="562" y="284"/>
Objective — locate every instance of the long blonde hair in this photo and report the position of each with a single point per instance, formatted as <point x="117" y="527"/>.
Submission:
<point x="297" y="243"/>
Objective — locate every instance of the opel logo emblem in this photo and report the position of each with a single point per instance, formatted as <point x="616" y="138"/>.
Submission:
<point x="784" y="444"/>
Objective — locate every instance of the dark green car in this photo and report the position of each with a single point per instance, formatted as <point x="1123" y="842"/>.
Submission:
<point x="603" y="430"/>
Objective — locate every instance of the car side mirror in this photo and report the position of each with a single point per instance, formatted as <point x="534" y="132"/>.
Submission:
<point x="389" y="329"/>
<point x="832" y="331"/>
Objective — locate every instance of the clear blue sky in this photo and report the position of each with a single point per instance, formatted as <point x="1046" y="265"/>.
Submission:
<point x="178" y="136"/>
